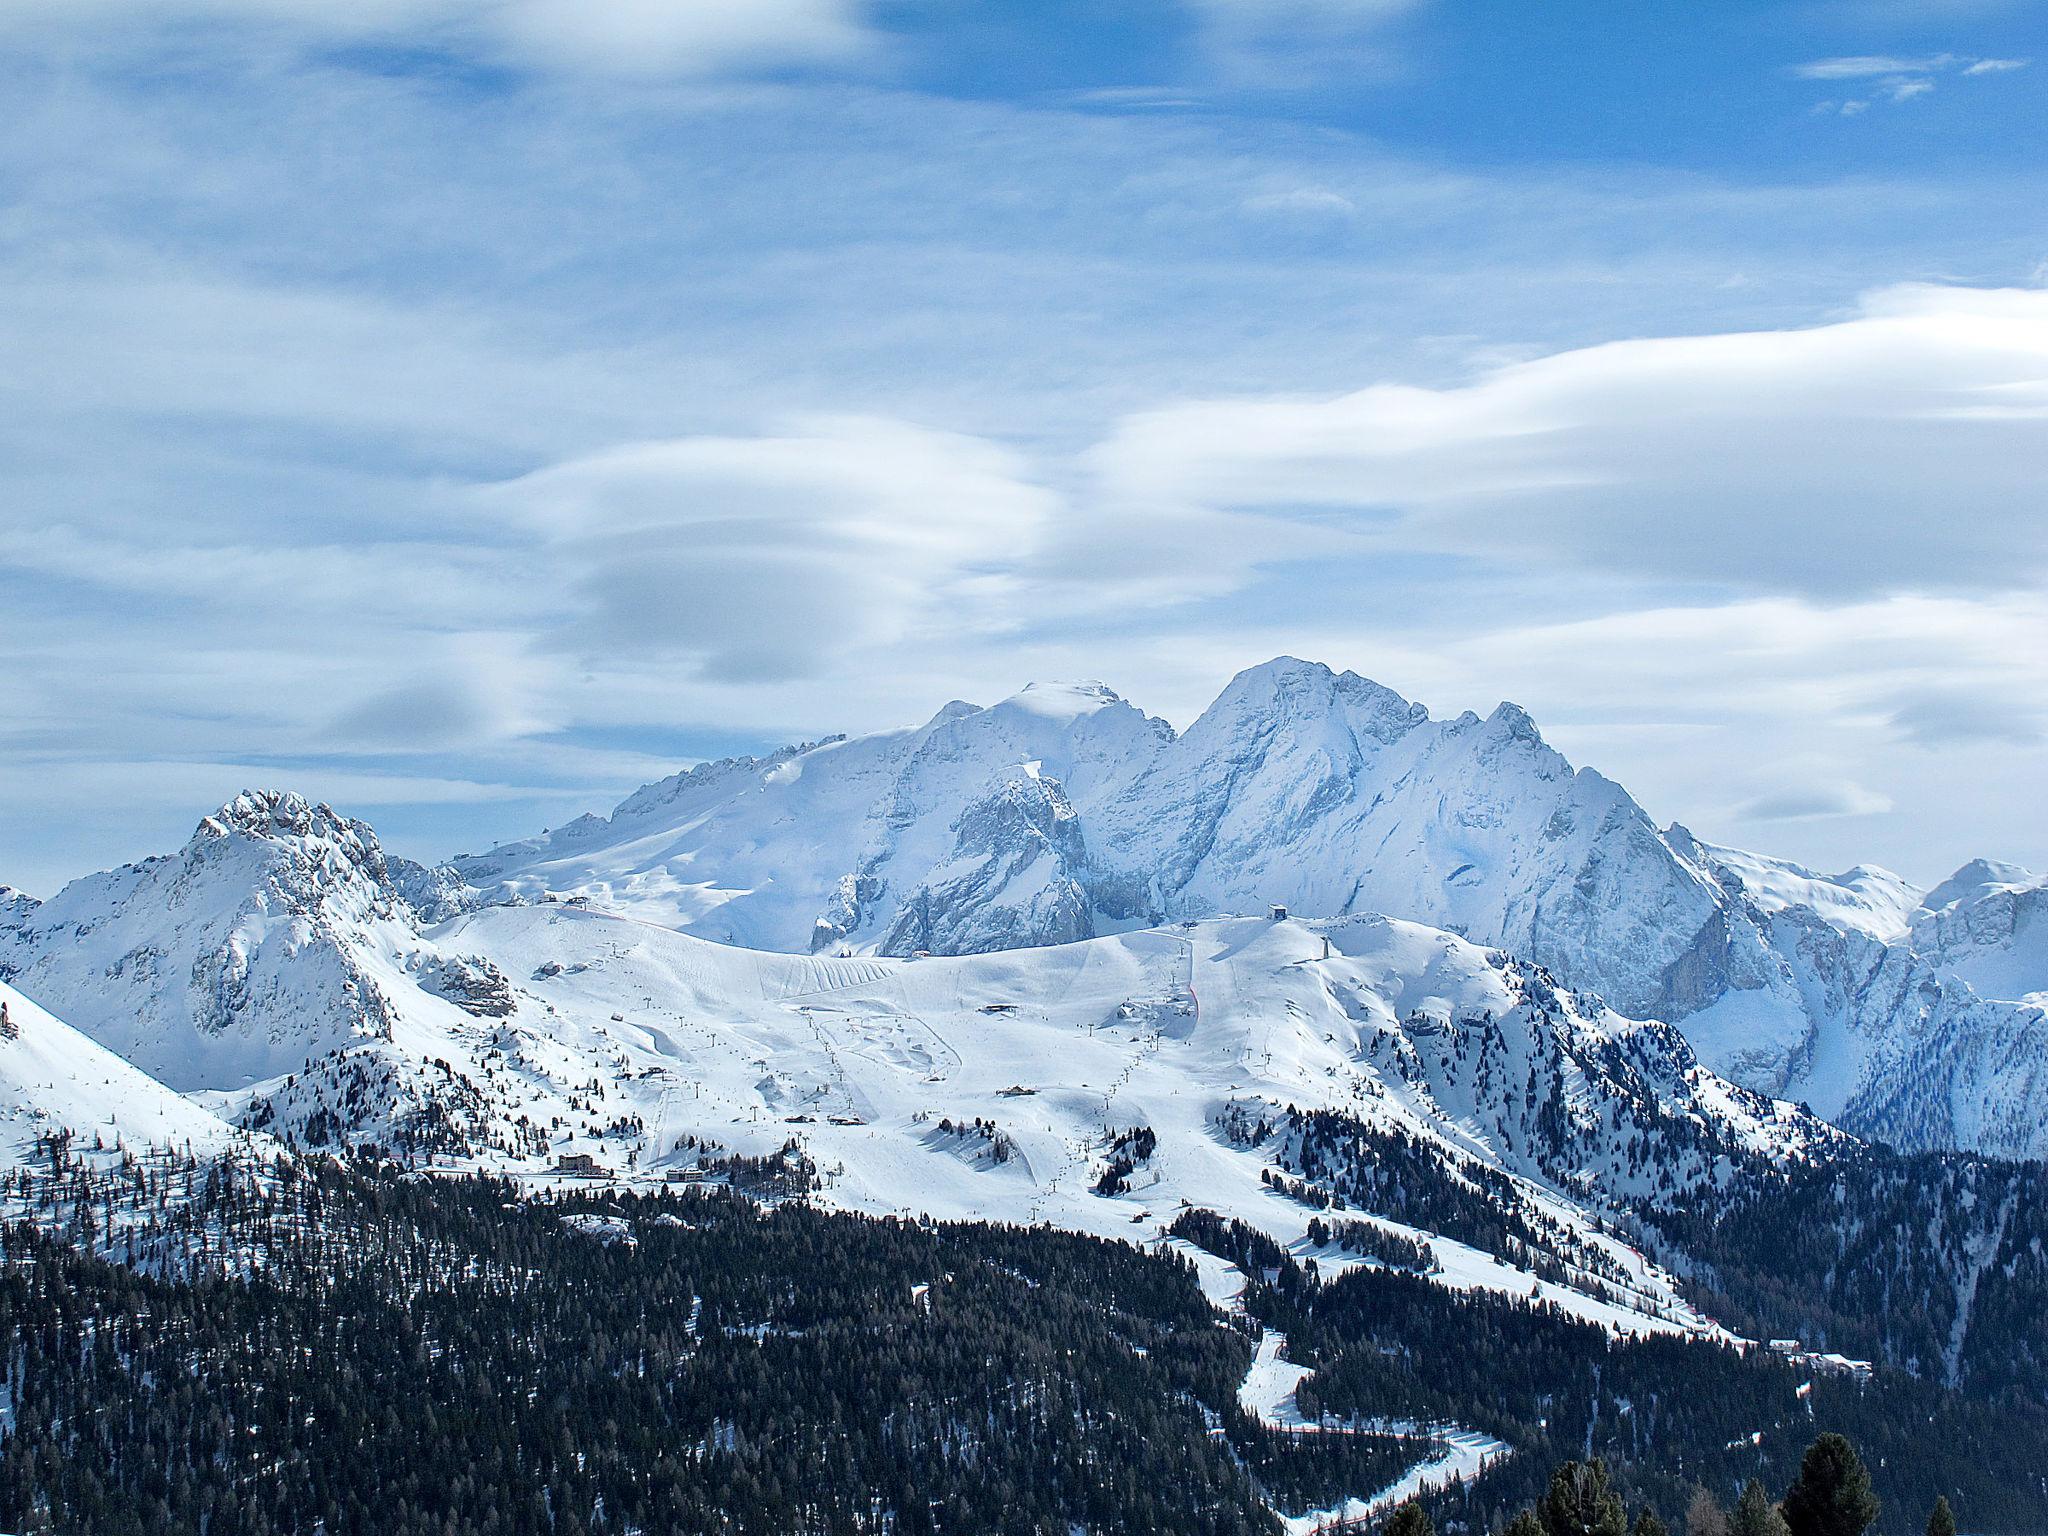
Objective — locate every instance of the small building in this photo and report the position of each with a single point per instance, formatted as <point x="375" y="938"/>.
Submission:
<point x="1785" y="1346"/>
<point x="582" y="1164"/>
<point x="694" y="1174"/>
<point x="1279" y="912"/>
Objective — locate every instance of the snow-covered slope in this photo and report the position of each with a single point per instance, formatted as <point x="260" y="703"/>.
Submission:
<point x="1866" y="899"/>
<point x="53" y="1081"/>
<point x="1007" y="1085"/>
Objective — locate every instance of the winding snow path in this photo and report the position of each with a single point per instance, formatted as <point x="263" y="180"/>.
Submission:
<point x="1267" y="1393"/>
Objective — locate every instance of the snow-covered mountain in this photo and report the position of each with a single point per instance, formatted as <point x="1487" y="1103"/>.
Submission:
<point x="252" y="948"/>
<point x="1987" y="924"/>
<point x="277" y="970"/>
<point x="282" y="959"/>
<point x="1065" y="812"/>
<point x="274" y="969"/>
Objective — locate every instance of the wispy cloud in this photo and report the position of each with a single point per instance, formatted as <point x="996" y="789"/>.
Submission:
<point x="1286" y="44"/>
<point x="658" y="38"/>
<point x="1797" y="459"/>
<point x="1807" y="802"/>
<point x="554" y="433"/>
<point x="1894" y="77"/>
<point x="1864" y="66"/>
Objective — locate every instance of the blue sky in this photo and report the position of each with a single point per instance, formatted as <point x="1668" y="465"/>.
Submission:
<point x="466" y="412"/>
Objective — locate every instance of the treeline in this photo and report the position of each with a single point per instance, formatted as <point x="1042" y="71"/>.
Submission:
<point x="1832" y="1495"/>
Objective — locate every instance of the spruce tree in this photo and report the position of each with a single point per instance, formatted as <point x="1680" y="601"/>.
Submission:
<point x="1831" y="1496"/>
<point x="1411" y="1519"/>
<point x="1525" y="1524"/>
<point x="1942" y="1521"/>
<point x="1647" y="1524"/>
<point x="1756" y="1515"/>
<point x="1580" y="1503"/>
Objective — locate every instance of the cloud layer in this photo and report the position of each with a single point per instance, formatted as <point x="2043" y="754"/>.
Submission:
<point x="474" y="445"/>
<point x="619" y="37"/>
<point x="1901" y="447"/>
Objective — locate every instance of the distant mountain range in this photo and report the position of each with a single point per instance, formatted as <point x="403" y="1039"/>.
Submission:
<point x="1065" y="813"/>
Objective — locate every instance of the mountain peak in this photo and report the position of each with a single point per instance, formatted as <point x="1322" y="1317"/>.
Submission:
<point x="952" y="709"/>
<point x="273" y="813"/>
<point x="1977" y="879"/>
<point x="1064" y="700"/>
<point x="1288" y="686"/>
<point x="1516" y="722"/>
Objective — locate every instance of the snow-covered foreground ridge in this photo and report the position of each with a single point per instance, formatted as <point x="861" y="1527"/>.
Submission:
<point x="284" y="973"/>
<point x="1065" y="812"/>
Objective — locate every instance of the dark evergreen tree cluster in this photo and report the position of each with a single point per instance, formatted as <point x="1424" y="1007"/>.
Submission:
<point x="1878" y="1256"/>
<point x="230" y="1347"/>
<point x="364" y="1352"/>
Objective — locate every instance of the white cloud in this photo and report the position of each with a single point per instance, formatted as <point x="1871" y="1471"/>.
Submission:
<point x="1896" y="78"/>
<point x="1866" y="66"/>
<point x="768" y="557"/>
<point x="1314" y="202"/>
<point x="619" y="37"/>
<point x="264" y="484"/>
<point x="1283" y="44"/>
<point x="1812" y="801"/>
<point x="1898" y="448"/>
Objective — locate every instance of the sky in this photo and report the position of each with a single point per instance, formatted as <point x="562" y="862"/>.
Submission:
<point x="465" y="411"/>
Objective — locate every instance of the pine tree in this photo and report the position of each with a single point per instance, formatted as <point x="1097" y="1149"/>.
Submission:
<point x="1831" y="1496"/>
<point x="1525" y="1524"/>
<point x="1580" y="1503"/>
<point x="1647" y="1524"/>
<point x="1756" y="1515"/>
<point x="1411" y="1519"/>
<point x="1942" y="1522"/>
